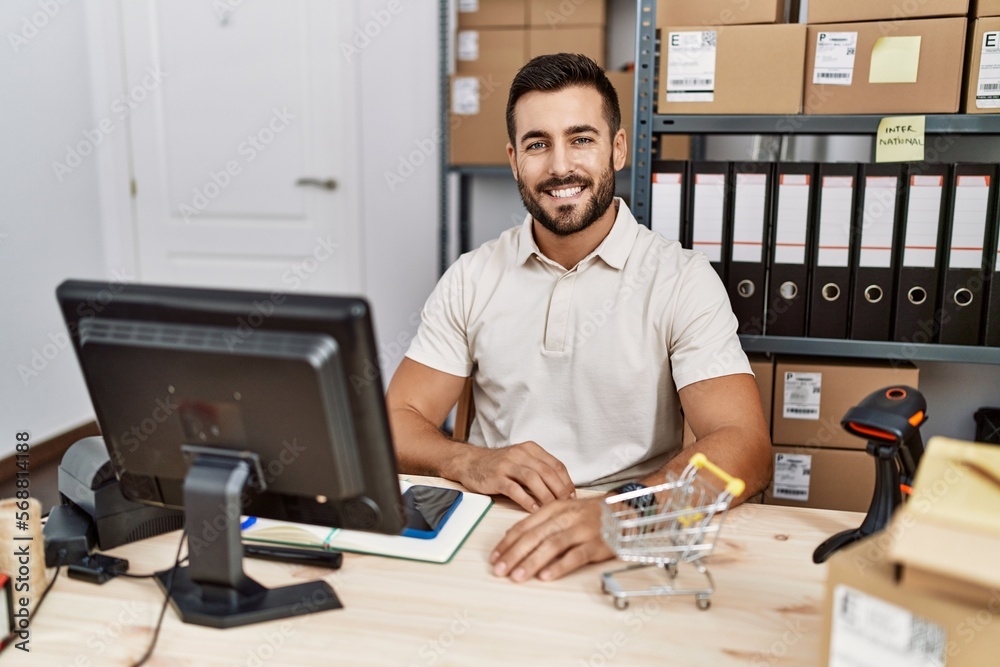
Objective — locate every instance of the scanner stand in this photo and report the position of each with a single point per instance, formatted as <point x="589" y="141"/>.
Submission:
<point x="886" y="498"/>
<point x="213" y="590"/>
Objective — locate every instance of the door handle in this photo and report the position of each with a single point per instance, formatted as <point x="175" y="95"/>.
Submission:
<point x="328" y="184"/>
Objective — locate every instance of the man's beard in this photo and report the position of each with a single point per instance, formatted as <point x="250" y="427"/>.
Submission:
<point x="569" y="219"/>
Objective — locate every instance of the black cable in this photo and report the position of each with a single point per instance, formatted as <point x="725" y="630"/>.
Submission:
<point x="62" y="555"/>
<point x="166" y="601"/>
<point x="148" y="576"/>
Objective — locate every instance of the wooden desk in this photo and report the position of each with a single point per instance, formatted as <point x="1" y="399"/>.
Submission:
<point x="767" y="610"/>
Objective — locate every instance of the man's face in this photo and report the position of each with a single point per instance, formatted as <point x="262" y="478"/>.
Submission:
<point x="565" y="158"/>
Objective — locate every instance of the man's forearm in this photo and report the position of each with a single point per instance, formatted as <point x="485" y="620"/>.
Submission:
<point x="422" y="448"/>
<point x="740" y="452"/>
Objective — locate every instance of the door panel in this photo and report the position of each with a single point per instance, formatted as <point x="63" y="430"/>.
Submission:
<point x="228" y="110"/>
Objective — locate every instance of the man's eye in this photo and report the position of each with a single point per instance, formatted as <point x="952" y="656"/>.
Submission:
<point x="536" y="145"/>
<point x="584" y="140"/>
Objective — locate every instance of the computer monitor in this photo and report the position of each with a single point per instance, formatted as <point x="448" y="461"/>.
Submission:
<point x="225" y="403"/>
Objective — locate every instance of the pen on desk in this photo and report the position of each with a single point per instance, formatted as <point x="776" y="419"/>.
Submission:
<point x="247" y="522"/>
<point x="330" y="559"/>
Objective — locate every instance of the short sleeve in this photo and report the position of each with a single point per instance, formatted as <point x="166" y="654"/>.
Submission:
<point x="442" y="337"/>
<point x="703" y="341"/>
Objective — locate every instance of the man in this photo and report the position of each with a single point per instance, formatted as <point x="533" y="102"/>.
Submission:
<point x="585" y="335"/>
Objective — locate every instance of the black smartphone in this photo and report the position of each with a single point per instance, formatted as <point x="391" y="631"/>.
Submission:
<point x="427" y="509"/>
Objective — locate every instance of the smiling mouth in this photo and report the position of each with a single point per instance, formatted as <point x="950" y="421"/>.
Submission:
<point x="565" y="193"/>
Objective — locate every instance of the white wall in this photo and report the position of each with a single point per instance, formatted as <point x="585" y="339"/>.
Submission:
<point x="399" y="107"/>
<point x="54" y="230"/>
<point x="49" y="230"/>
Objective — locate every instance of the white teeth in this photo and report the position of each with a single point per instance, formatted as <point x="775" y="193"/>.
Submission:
<point x="567" y="192"/>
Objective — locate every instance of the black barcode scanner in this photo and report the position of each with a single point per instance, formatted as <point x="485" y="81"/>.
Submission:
<point x="890" y="419"/>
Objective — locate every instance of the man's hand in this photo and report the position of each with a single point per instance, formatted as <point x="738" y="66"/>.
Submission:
<point x="525" y="473"/>
<point x="558" y="539"/>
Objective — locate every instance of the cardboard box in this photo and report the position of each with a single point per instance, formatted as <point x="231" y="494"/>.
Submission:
<point x="983" y="67"/>
<point x="492" y="13"/>
<point x="862" y="585"/>
<point x="478" y="121"/>
<point x="554" y="13"/>
<point x="718" y="12"/>
<point x="763" y="371"/>
<point x="829" y="479"/>
<point x="846" y="11"/>
<point x="624" y="83"/>
<point x="674" y="147"/>
<point x="985" y="8"/>
<point x="946" y="536"/>
<point x="894" y="67"/>
<point x="589" y="41"/>
<point x="490" y="51"/>
<point x="811" y="396"/>
<point x="732" y="69"/>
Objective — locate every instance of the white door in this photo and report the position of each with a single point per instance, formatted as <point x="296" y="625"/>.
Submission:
<point x="242" y="134"/>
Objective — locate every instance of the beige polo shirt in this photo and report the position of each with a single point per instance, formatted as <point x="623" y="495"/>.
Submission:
<point x="586" y="362"/>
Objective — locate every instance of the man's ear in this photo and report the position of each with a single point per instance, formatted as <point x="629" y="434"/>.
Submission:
<point x="512" y="157"/>
<point x="619" y="150"/>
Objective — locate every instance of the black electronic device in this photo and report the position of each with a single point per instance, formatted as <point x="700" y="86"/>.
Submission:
<point x="427" y="509"/>
<point x="890" y="419"/>
<point x="87" y="481"/>
<point x="225" y="403"/>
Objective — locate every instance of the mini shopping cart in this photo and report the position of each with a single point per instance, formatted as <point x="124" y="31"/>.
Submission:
<point x="666" y="525"/>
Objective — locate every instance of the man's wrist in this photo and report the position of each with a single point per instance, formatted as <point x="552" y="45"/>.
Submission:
<point x="640" y="502"/>
<point x="457" y="462"/>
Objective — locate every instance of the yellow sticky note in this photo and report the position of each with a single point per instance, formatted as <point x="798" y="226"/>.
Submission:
<point x="900" y="139"/>
<point x="895" y="60"/>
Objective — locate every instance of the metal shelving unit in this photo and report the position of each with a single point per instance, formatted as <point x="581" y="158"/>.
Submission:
<point x="800" y="124"/>
<point x="648" y="124"/>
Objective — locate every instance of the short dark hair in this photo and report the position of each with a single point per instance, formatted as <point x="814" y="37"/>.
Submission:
<point x="557" y="71"/>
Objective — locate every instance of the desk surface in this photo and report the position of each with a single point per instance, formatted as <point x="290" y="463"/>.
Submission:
<point x="767" y="610"/>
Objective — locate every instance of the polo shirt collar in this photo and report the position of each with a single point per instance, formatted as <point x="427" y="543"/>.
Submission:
<point x="614" y="249"/>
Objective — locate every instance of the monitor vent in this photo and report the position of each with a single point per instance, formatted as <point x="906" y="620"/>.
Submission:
<point x="241" y="338"/>
<point x="157" y="526"/>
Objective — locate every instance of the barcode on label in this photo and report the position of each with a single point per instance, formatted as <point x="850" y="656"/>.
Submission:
<point x="989" y="86"/>
<point x="926" y="639"/>
<point x="833" y="75"/>
<point x="785" y="491"/>
<point x="708" y="38"/>
<point x="691" y="82"/>
<point x="802" y="411"/>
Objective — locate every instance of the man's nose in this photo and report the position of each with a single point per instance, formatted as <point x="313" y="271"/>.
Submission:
<point x="561" y="162"/>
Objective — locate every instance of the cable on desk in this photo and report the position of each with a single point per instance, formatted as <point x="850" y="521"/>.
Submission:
<point x="149" y="576"/>
<point x="166" y="601"/>
<point x="6" y="641"/>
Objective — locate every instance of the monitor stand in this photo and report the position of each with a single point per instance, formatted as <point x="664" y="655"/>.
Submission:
<point x="213" y="590"/>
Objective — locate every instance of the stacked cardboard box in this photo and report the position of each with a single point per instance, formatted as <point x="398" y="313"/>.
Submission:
<point x="931" y="575"/>
<point x="982" y="8"/>
<point x="490" y="46"/>
<point x="495" y="38"/>
<point x="882" y="56"/>
<point x="982" y="70"/>
<point x="734" y="56"/>
<point x="817" y="463"/>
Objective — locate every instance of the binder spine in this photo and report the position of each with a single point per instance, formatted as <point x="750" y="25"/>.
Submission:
<point x="830" y="291"/>
<point x="921" y="228"/>
<point x="972" y="216"/>
<point x="876" y="232"/>
<point x="789" y="274"/>
<point x="749" y="224"/>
